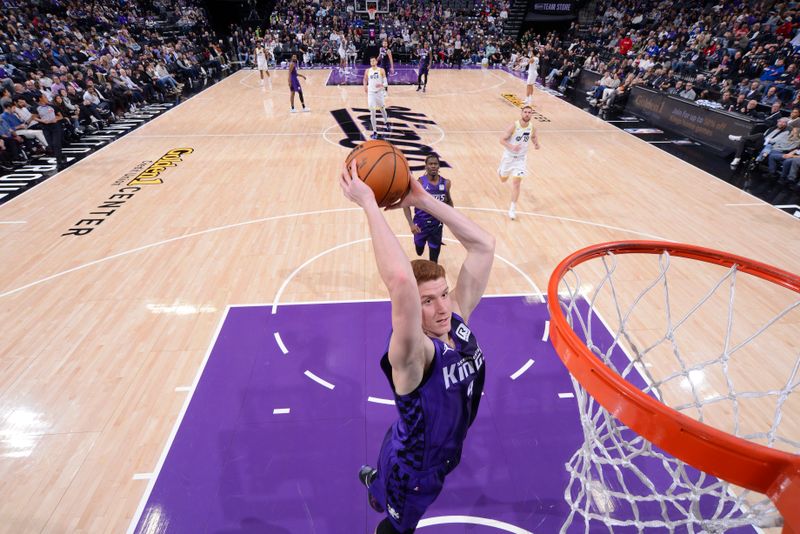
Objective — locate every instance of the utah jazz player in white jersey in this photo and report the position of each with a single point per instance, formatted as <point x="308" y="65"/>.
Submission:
<point x="533" y="73"/>
<point x="261" y="61"/>
<point x="516" y="140"/>
<point x="375" y="85"/>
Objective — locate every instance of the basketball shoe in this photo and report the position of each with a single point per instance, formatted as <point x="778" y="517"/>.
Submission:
<point x="366" y="475"/>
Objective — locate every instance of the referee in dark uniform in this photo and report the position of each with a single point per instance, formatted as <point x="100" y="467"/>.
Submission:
<point x="50" y="120"/>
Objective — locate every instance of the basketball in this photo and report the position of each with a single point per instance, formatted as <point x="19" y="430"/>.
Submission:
<point x="383" y="168"/>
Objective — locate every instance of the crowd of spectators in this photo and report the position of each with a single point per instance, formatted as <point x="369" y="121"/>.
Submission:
<point x="313" y="30"/>
<point x="733" y="55"/>
<point x="67" y="68"/>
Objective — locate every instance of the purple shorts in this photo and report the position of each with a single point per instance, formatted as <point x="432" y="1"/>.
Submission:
<point x="403" y="492"/>
<point x="432" y="235"/>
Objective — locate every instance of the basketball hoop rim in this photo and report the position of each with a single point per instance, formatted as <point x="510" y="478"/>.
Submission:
<point x="749" y="465"/>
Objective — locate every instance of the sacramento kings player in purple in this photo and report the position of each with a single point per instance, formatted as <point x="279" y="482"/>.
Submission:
<point x="294" y="84"/>
<point x="424" y="66"/>
<point x="385" y="60"/>
<point x="425" y="227"/>
<point x="433" y="363"/>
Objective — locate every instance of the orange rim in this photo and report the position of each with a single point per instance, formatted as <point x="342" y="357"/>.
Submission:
<point x="749" y="465"/>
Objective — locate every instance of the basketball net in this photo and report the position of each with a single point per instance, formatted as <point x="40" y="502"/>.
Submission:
<point x="688" y="350"/>
<point x="371" y="12"/>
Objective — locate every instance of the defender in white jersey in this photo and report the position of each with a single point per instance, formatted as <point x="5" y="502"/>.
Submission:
<point x="375" y="85"/>
<point x="516" y="140"/>
<point x="533" y="73"/>
<point x="261" y="61"/>
<point x="342" y="50"/>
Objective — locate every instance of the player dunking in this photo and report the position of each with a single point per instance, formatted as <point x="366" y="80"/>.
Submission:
<point x="375" y="85"/>
<point x="516" y="140"/>
<point x="385" y="59"/>
<point x="294" y="84"/>
<point x="424" y="64"/>
<point x="261" y="61"/>
<point x="533" y="73"/>
<point x="433" y="362"/>
<point x="425" y="227"/>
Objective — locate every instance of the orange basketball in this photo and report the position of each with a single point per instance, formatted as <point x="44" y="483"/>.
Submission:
<point x="383" y="168"/>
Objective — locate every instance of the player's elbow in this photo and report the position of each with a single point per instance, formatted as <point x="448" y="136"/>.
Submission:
<point x="489" y="243"/>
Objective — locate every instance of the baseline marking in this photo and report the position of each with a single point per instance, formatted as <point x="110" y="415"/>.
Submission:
<point x="174" y="432"/>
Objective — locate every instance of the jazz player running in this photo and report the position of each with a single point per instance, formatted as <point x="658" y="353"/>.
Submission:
<point x="433" y="363"/>
<point x="425" y="227"/>
<point x="375" y="85"/>
<point x="516" y="140"/>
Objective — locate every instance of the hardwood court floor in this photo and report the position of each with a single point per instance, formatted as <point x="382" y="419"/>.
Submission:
<point x="104" y="332"/>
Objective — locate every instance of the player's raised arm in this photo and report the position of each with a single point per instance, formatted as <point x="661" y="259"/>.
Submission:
<point x="407" y="345"/>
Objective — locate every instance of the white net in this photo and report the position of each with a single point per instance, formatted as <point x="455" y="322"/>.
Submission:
<point x="672" y="327"/>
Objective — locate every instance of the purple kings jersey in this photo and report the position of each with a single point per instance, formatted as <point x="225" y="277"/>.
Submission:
<point x="424" y="58"/>
<point x="435" y="417"/>
<point x="423" y="219"/>
<point x="294" y="81"/>
<point x="383" y="58"/>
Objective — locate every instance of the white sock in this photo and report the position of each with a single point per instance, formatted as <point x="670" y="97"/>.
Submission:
<point x="372" y="120"/>
<point x="513" y="205"/>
